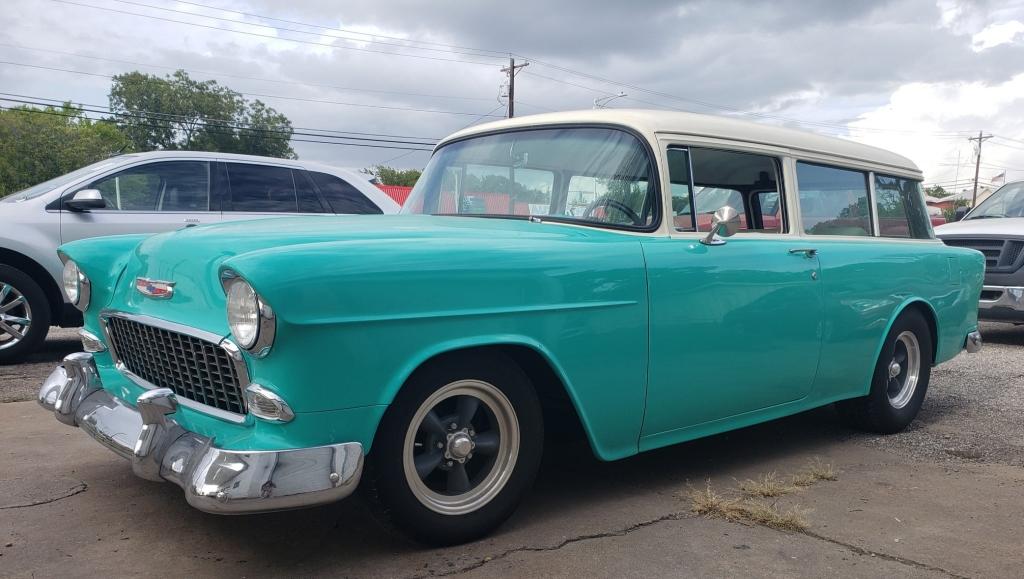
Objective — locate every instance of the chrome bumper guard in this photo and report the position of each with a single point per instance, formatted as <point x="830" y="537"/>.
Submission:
<point x="215" y="480"/>
<point x="973" y="342"/>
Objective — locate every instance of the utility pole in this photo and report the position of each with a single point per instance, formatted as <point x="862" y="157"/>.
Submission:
<point x="512" y="71"/>
<point x="981" y="138"/>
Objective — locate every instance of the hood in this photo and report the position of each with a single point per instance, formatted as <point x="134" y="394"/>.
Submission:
<point x="191" y="257"/>
<point x="996" y="227"/>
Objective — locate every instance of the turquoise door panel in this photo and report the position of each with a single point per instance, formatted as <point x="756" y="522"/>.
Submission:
<point x="734" y="328"/>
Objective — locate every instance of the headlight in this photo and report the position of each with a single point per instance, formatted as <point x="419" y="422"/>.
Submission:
<point x="76" y="285"/>
<point x="251" y="320"/>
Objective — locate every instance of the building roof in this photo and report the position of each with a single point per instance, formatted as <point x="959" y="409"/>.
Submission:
<point x="655" y="122"/>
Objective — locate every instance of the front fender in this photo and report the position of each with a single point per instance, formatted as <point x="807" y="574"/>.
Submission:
<point x="355" y="319"/>
<point x="103" y="260"/>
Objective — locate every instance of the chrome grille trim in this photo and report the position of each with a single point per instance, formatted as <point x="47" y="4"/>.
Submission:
<point x="205" y="370"/>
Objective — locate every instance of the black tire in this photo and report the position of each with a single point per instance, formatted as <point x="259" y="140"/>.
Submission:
<point x="393" y="490"/>
<point x="11" y="353"/>
<point x="878" y="411"/>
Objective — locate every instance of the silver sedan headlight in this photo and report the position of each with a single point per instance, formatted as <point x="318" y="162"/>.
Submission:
<point x="251" y="320"/>
<point x="76" y="285"/>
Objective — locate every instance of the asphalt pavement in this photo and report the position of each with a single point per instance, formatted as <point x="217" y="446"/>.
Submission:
<point x="940" y="500"/>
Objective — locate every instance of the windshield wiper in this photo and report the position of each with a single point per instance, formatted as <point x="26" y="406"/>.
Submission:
<point x="985" y="217"/>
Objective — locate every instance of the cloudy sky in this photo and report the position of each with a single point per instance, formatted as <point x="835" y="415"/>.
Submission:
<point x="914" y="76"/>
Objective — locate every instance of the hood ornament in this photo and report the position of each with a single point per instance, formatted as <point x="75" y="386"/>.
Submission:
<point x="154" y="288"/>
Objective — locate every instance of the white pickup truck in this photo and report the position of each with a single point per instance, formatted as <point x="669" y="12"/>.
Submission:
<point x="996" y="228"/>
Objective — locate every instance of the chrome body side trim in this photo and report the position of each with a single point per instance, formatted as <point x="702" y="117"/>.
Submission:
<point x="234" y="353"/>
<point x="215" y="480"/>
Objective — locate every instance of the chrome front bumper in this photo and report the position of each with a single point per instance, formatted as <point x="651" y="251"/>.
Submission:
<point x="215" y="480"/>
<point x="1004" y="304"/>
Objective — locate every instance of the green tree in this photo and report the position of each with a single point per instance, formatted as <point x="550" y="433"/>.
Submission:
<point x="936" y="191"/>
<point x="177" y="112"/>
<point x="37" y="144"/>
<point x="950" y="213"/>
<point x="391" y="176"/>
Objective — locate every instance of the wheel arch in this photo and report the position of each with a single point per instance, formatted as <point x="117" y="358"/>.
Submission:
<point x="926" y="310"/>
<point x="547" y="377"/>
<point x="38" y="273"/>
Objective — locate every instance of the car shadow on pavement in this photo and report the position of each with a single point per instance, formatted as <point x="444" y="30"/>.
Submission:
<point x="573" y="489"/>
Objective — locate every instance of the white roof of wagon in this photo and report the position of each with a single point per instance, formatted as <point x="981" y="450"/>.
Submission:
<point x="651" y="122"/>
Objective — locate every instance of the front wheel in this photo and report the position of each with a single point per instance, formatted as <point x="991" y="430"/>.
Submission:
<point x="458" y="449"/>
<point x="24" y="315"/>
<point x="900" y="380"/>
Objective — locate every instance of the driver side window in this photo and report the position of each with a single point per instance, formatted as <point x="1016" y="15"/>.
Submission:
<point x="705" y="180"/>
<point x="162" y="186"/>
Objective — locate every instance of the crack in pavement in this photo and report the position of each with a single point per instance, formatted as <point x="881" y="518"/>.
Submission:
<point x="616" y="533"/>
<point x="885" y="556"/>
<point x="677" y="516"/>
<point x="81" y="487"/>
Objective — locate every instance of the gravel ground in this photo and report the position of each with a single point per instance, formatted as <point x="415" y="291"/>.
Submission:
<point x="972" y="412"/>
<point x="22" y="381"/>
<point x="974" y="406"/>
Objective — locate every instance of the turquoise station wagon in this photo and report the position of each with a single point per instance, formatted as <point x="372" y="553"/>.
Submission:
<point x="665" y="276"/>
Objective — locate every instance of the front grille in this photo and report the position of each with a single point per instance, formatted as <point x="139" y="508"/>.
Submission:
<point x="1001" y="255"/>
<point x="193" y="368"/>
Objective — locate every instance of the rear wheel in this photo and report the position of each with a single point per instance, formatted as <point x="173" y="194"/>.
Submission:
<point x="900" y="380"/>
<point x="458" y="449"/>
<point x="24" y="315"/>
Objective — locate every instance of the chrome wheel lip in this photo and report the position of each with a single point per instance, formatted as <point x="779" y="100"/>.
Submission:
<point x="909" y="370"/>
<point x="13" y="304"/>
<point x="507" y="425"/>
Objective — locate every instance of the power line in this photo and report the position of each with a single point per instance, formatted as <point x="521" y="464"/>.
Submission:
<point x="168" y="121"/>
<point x="431" y="140"/>
<point x="270" y="36"/>
<point x="168" y="126"/>
<point x="385" y="107"/>
<point x="258" y="79"/>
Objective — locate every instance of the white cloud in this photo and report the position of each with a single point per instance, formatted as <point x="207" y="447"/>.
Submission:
<point x="930" y="112"/>
<point x="995" y="34"/>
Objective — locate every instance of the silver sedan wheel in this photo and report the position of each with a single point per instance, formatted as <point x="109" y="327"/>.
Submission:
<point x="15" y="316"/>
<point x="461" y="447"/>
<point x="904" y="370"/>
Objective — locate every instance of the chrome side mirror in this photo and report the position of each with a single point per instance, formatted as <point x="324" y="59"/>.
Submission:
<point x="85" y="200"/>
<point x="725" y="223"/>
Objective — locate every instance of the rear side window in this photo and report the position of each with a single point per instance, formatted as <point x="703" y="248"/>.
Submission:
<point x="833" y="201"/>
<point x="901" y="208"/>
<point x="261" y="188"/>
<point x="165" y="186"/>
<point x="343" y="197"/>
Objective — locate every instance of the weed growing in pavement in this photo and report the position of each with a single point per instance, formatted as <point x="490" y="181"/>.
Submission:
<point x="815" y="472"/>
<point x="751" y="508"/>
<point x="766" y="486"/>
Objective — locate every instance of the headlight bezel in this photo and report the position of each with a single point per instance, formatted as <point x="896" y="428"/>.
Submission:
<point x="83" y="287"/>
<point x="266" y="321"/>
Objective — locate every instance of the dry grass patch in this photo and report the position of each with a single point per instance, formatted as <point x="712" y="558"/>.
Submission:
<point x="815" y="472"/>
<point x="709" y="503"/>
<point x="766" y="486"/>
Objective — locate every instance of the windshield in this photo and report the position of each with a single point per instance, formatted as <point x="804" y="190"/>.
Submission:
<point x="47" y="186"/>
<point x="1007" y="201"/>
<point x="595" y="175"/>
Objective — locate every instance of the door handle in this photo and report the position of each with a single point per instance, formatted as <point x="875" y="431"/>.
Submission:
<point x="809" y="252"/>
